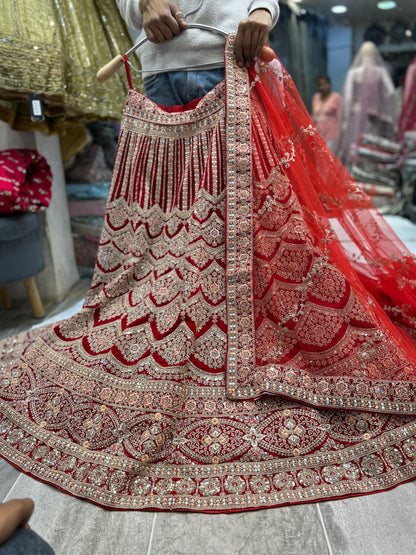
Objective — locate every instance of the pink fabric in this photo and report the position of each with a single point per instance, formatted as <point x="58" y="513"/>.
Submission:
<point x="368" y="98"/>
<point x="408" y="113"/>
<point x="25" y="181"/>
<point x="325" y="115"/>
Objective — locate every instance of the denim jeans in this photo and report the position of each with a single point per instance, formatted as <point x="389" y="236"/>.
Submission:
<point x="26" y="542"/>
<point x="180" y="87"/>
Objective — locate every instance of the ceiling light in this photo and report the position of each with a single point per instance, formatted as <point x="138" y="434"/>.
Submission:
<point x="339" y="9"/>
<point x="386" y="5"/>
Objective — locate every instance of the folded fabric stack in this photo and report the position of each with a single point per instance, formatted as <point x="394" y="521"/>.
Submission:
<point x="25" y="181"/>
<point x="377" y="168"/>
<point x="87" y="220"/>
<point x="88" y="184"/>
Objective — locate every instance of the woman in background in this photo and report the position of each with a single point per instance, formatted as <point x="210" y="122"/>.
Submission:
<point x="326" y="110"/>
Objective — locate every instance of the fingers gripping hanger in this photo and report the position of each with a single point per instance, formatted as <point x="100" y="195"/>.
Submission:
<point x="116" y="63"/>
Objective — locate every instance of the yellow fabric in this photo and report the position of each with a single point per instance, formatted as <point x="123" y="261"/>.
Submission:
<point x="55" y="48"/>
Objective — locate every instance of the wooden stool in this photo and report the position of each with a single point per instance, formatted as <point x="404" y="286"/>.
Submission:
<point x="21" y="257"/>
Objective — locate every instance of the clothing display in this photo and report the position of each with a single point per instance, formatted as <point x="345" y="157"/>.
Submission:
<point x="247" y="340"/>
<point x="369" y="102"/>
<point x="180" y="50"/>
<point x="54" y="48"/>
<point x="88" y="179"/>
<point x="25" y="181"/>
<point x="326" y="116"/>
<point x="407" y="121"/>
<point x="377" y="166"/>
<point x="409" y="175"/>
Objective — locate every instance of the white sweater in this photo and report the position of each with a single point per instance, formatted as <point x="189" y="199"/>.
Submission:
<point x="194" y="47"/>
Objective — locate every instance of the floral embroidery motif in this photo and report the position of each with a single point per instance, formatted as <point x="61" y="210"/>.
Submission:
<point x="218" y="334"/>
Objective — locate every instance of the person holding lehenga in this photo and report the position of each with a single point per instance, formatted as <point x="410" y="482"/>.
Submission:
<point x="202" y="52"/>
<point x="248" y="340"/>
<point x="326" y="112"/>
<point x="368" y="100"/>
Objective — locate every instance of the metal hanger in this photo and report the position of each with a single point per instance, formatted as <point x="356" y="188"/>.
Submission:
<point x="116" y="63"/>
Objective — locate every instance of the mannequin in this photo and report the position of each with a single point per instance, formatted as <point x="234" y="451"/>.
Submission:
<point x="368" y="97"/>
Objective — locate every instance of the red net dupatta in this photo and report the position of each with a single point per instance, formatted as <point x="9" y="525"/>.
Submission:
<point x="320" y="291"/>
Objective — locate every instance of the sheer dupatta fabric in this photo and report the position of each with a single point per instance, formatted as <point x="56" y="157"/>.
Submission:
<point x="332" y="311"/>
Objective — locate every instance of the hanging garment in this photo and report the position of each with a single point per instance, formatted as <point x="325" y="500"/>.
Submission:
<point x="54" y="48"/>
<point x="25" y="181"/>
<point x="407" y="121"/>
<point x="369" y="101"/>
<point x="247" y="338"/>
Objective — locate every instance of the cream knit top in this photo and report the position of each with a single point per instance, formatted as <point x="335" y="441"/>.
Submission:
<point x="194" y="47"/>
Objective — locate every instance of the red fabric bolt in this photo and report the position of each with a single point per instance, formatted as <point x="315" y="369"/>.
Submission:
<point x="25" y="181"/>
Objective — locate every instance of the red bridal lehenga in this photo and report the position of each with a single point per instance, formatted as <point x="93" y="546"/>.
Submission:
<point x="248" y="338"/>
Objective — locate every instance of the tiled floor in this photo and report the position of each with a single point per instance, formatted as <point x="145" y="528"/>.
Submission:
<point x="380" y="524"/>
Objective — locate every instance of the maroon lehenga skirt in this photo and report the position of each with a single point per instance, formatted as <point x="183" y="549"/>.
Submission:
<point x="247" y="338"/>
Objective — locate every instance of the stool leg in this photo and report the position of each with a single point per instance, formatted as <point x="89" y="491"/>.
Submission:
<point x="5" y="297"/>
<point x="34" y="298"/>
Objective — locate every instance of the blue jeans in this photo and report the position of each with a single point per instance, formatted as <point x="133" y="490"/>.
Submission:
<point x="24" y="542"/>
<point x="180" y="87"/>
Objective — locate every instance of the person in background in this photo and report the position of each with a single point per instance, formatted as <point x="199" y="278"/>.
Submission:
<point x="326" y="111"/>
<point x="16" y="537"/>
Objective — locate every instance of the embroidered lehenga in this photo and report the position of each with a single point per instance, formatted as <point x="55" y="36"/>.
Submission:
<point x="247" y="338"/>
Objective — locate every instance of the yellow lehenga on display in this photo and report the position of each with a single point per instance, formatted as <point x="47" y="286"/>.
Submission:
<point x="54" y="48"/>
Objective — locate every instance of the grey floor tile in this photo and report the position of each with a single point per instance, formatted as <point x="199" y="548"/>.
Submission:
<point x="289" y="530"/>
<point x="19" y="317"/>
<point x="76" y="527"/>
<point x="380" y="524"/>
<point x="8" y="476"/>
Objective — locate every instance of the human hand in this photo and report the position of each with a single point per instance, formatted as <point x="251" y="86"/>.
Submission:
<point x="14" y="514"/>
<point x="251" y="35"/>
<point x="162" y="19"/>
